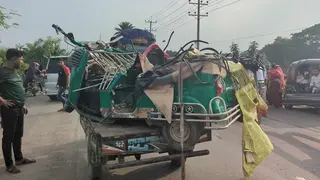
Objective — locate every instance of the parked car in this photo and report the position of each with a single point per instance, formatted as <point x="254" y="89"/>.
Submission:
<point x="52" y="70"/>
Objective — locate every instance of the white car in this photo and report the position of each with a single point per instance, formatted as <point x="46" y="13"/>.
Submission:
<point x="52" y="70"/>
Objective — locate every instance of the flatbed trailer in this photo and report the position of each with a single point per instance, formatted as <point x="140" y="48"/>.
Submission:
<point x="110" y="142"/>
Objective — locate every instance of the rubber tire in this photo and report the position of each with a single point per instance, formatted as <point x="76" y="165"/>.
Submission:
<point x="177" y="162"/>
<point x="195" y="133"/>
<point x="137" y="156"/>
<point x="96" y="173"/>
<point x="53" y="98"/>
<point x="68" y="108"/>
<point x="288" y="106"/>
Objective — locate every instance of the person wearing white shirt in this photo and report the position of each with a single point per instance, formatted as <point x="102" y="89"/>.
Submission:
<point x="301" y="78"/>
<point x="315" y="81"/>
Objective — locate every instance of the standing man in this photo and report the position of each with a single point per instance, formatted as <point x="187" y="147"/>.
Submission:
<point x="63" y="82"/>
<point x="315" y="81"/>
<point x="12" y="111"/>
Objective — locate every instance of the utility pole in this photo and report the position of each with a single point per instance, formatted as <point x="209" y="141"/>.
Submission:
<point x="198" y="15"/>
<point x="150" y="22"/>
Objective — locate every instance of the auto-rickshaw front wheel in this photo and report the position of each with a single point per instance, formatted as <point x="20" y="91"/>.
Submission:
<point x="192" y="132"/>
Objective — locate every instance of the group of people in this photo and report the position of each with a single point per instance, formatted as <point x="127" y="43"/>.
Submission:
<point x="276" y="83"/>
<point x="63" y="82"/>
<point x="13" y="109"/>
<point x="309" y="84"/>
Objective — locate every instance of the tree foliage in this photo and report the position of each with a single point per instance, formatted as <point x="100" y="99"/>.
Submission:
<point x="253" y="49"/>
<point x="301" y="45"/>
<point x="123" y="26"/>
<point x="37" y="51"/>
<point x="5" y="16"/>
<point x="2" y="56"/>
<point x="41" y="48"/>
<point x="171" y="53"/>
<point x="234" y="48"/>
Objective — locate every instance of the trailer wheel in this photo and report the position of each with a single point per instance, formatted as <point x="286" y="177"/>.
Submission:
<point x="95" y="172"/>
<point x="95" y="164"/>
<point x="137" y="156"/>
<point x="171" y="133"/>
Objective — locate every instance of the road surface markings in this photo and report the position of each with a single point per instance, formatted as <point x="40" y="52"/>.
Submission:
<point x="290" y="149"/>
<point x="299" y="178"/>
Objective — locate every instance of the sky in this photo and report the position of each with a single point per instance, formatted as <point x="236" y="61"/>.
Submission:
<point x="240" y="22"/>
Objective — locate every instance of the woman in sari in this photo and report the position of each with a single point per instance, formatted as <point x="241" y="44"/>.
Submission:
<point x="275" y="86"/>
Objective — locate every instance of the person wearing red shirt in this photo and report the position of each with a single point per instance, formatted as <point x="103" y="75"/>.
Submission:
<point x="275" y="86"/>
<point x="63" y="82"/>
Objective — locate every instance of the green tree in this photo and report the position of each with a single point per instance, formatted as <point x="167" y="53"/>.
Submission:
<point x="234" y="48"/>
<point x="253" y="49"/>
<point x="40" y="48"/>
<point x="171" y="53"/>
<point x="300" y="45"/>
<point x="2" y="56"/>
<point x="20" y="47"/>
<point x="123" y="26"/>
<point x="5" y="16"/>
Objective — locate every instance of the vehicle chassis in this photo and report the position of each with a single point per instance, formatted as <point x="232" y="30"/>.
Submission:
<point x="98" y="155"/>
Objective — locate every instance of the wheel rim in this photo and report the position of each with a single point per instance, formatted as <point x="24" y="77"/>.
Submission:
<point x="175" y="131"/>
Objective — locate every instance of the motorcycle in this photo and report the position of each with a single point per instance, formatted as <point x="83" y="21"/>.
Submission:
<point x="36" y="86"/>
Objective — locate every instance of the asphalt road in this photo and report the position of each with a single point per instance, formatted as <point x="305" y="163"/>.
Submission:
<point x="57" y="141"/>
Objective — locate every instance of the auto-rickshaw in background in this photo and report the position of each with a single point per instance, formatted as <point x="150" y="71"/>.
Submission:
<point x="132" y="102"/>
<point x="299" y="88"/>
<point x="257" y="71"/>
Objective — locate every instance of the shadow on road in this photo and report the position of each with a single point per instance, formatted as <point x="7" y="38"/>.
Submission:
<point x="68" y="162"/>
<point x="150" y="172"/>
<point x="299" y="117"/>
<point x="311" y="165"/>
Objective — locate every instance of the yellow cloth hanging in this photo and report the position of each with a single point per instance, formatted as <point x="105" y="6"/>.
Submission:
<point x="256" y="145"/>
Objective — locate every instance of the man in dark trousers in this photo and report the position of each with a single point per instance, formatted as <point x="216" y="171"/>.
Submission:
<point x="12" y="111"/>
<point x="63" y="82"/>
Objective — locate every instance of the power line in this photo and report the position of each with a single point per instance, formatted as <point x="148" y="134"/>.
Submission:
<point x="166" y="8"/>
<point x="229" y="4"/>
<point x="182" y="17"/>
<point x="174" y="11"/>
<point x="183" y="24"/>
<point x="260" y="35"/>
<point x="213" y="3"/>
<point x="177" y="18"/>
<point x="215" y="9"/>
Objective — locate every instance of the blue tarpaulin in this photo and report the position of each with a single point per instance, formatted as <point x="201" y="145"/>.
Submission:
<point x="136" y="34"/>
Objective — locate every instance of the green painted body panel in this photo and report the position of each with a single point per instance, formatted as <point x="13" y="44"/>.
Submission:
<point x="193" y="90"/>
<point x="105" y="95"/>
<point x="145" y="102"/>
<point x="196" y="92"/>
<point x="76" y="78"/>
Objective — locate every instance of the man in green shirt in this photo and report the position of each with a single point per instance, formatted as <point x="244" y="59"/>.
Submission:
<point x="12" y="101"/>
